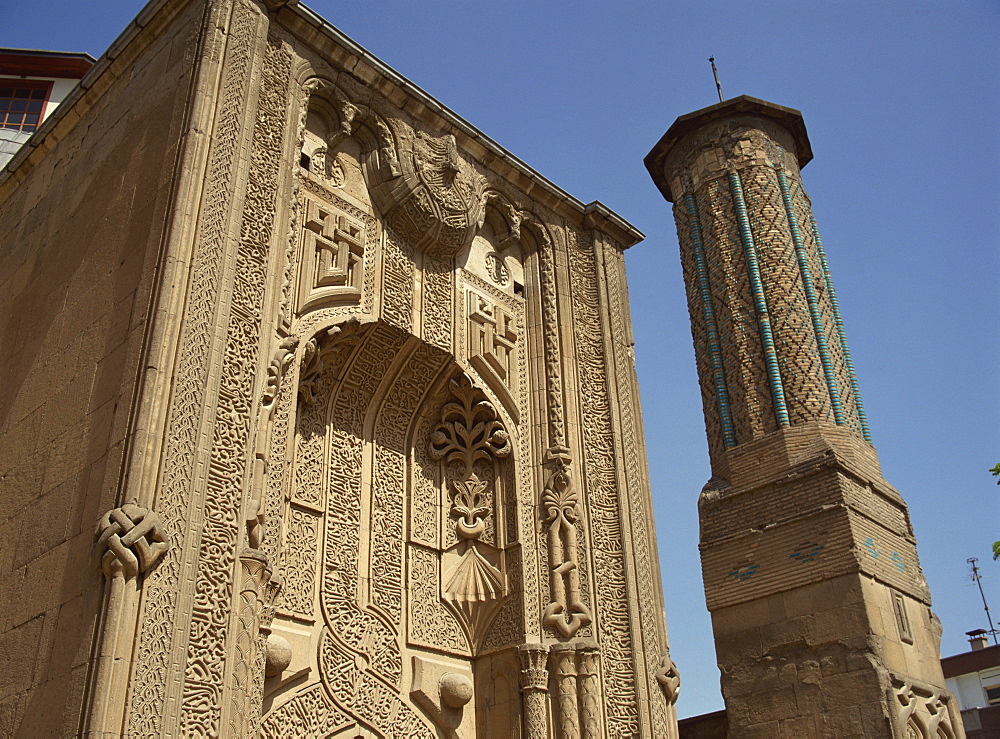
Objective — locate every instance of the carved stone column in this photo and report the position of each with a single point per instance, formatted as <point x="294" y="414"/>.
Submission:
<point x="256" y="598"/>
<point x="129" y="542"/>
<point x="534" y="689"/>
<point x="589" y="687"/>
<point x="562" y="661"/>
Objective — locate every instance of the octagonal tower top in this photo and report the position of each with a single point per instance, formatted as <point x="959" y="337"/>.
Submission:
<point x="738" y="107"/>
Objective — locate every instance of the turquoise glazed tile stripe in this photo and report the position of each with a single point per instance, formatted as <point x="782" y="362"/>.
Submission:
<point x="812" y="302"/>
<point x="708" y="313"/>
<point x="760" y="304"/>
<point x="841" y="335"/>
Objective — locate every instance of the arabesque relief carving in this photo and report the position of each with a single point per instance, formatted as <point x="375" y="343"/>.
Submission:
<point x="428" y="193"/>
<point x="669" y="679"/>
<point x="566" y="611"/>
<point x="469" y="432"/>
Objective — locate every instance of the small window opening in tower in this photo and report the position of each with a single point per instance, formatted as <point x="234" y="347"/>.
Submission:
<point x="305" y="161"/>
<point x="519" y="289"/>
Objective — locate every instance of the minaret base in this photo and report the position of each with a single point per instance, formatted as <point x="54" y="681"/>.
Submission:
<point x="821" y="616"/>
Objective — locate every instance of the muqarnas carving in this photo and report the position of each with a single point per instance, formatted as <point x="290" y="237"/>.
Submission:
<point x="472" y="442"/>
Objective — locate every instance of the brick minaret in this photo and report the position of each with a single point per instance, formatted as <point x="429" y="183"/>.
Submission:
<point x="821" y="613"/>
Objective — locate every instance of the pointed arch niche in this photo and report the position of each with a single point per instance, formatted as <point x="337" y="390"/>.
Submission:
<point x="396" y="551"/>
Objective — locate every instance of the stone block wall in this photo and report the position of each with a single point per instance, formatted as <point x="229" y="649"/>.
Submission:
<point x="81" y="220"/>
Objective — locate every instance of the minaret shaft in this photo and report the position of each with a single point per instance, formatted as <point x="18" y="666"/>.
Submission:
<point x="820" y="610"/>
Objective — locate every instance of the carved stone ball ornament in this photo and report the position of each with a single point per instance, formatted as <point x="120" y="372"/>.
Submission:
<point x="456" y="690"/>
<point x="278" y="655"/>
<point x="129" y="540"/>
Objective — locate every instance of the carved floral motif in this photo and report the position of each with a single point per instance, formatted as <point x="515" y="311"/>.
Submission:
<point x="566" y="611"/>
<point x="469" y="434"/>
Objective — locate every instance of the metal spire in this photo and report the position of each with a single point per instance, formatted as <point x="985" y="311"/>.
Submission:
<point x="715" y="73"/>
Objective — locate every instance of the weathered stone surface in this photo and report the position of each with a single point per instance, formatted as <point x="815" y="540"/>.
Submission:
<point x="356" y="390"/>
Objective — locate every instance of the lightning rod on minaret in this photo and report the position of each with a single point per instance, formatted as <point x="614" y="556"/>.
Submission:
<point x="715" y="73"/>
<point x="978" y="580"/>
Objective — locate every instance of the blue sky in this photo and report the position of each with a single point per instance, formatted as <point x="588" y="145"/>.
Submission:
<point x="901" y="104"/>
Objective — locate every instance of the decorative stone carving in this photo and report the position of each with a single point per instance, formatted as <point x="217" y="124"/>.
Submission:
<point x="534" y="689"/>
<point x="438" y="201"/>
<point x="589" y="687"/>
<point x="497" y="270"/>
<point x="562" y="666"/>
<point x="130" y="541"/>
<point x="566" y="612"/>
<point x="469" y="429"/>
<point x="669" y="679"/>
<point x="470" y="432"/>
<point x="604" y="500"/>
<point x="276" y="369"/>
<point x="442" y="692"/>
<point x="456" y="690"/>
<point x="492" y="335"/>
<point x="252" y="630"/>
<point x="921" y="710"/>
<point x="278" y="655"/>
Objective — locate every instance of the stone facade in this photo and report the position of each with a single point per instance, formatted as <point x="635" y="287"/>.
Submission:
<point x="327" y="403"/>
<point x="821" y="614"/>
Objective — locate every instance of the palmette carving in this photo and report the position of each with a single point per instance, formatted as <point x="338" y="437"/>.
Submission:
<point x="471" y="439"/>
<point x="566" y="612"/>
<point x="474" y="590"/>
<point x="359" y="660"/>
<point x="469" y="429"/>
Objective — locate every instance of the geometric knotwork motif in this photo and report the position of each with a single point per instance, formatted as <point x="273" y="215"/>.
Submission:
<point x="492" y="335"/>
<point x="335" y="242"/>
<point x="130" y="540"/>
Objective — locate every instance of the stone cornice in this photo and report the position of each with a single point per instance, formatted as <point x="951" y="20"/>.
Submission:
<point x="471" y="139"/>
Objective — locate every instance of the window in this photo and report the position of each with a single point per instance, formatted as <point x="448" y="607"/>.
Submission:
<point x="993" y="695"/>
<point x="22" y="103"/>
<point x="902" y="619"/>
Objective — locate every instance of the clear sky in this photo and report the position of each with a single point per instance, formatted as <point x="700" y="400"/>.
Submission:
<point x="900" y="98"/>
